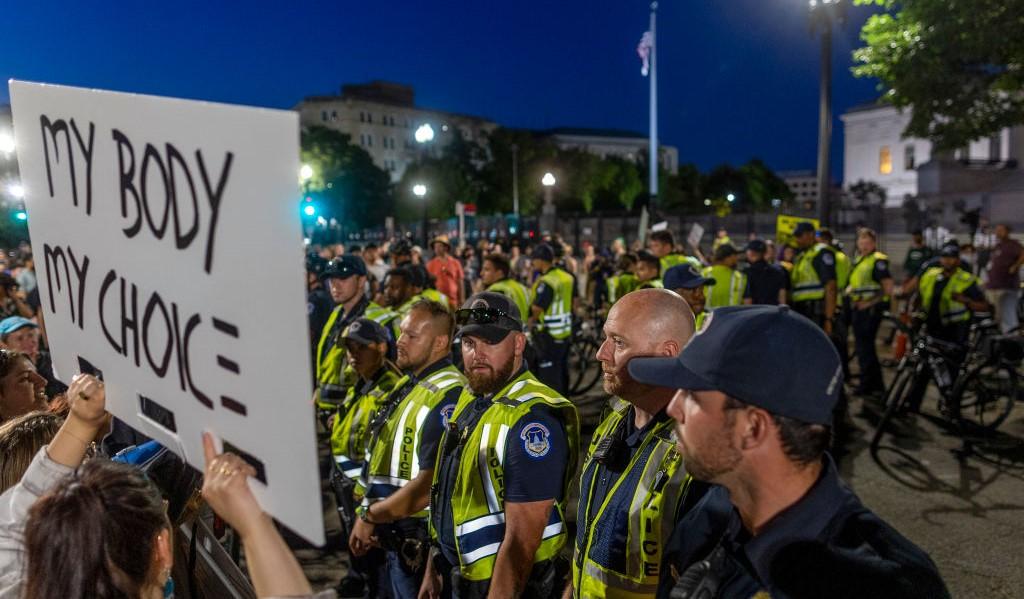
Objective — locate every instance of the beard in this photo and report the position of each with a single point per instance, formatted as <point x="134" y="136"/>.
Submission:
<point x="623" y="386"/>
<point x="491" y="381"/>
<point x="718" y="458"/>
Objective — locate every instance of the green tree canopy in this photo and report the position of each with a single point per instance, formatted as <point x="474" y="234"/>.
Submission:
<point x="957" y="64"/>
<point x="347" y="184"/>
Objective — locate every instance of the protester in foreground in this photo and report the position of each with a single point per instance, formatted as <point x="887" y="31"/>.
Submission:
<point x="633" y="486"/>
<point x="21" y="439"/>
<point x="498" y="530"/>
<point x="687" y="282"/>
<point x="1003" y="284"/>
<point x="22" y="389"/>
<point x="781" y="523"/>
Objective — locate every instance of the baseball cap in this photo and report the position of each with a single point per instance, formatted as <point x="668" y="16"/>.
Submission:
<point x="489" y="315"/>
<point x="366" y="332"/>
<point x="14" y="323"/>
<point x="757" y="245"/>
<point x="725" y="250"/>
<point x="400" y="247"/>
<point x="803" y="227"/>
<point x="950" y="249"/>
<point x="767" y="356"/>
<point x="543" y="252"/>
<point x="343" y="267"/>
<point x="685" y="276"/>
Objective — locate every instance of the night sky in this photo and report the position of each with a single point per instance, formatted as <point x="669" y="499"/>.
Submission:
<point x="739" y="78"/>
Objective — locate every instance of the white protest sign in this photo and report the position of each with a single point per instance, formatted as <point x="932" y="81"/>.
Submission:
<point x="169" y="253"/>
<point x="696" y="233"/>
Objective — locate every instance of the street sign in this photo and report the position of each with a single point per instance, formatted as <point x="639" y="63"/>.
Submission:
<point x="170" y="260"/>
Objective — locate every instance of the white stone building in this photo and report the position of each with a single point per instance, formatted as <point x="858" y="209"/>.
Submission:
<point x="629" y="145"/>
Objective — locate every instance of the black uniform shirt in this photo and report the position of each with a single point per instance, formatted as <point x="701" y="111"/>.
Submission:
<point x="764" y="281"/>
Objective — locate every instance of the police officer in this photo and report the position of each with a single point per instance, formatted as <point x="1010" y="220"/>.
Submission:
<point x="500" y="489"/>
<point x="400" y="290"/>
<point x="495" y="274"/>
<point x="624" y="279"/>
<point x="633" y="485"/>
<point x="345" y="277"/>
<point x="648" y="271"/>
<point x="318" y="303"/>
<point x="663" y="245"/>
<point x="869" y="291"/>
<point x="766" y="283"/>
<point x="815" y="292"/>
<point x="730" y="284"/>
<point x="402" y="448"/>
<point x="841" y="327"/>
<point x="551" y="319"/>
<point x="368" y="347"/>
<point x="949" y="294"/>
<point x="780" y="522"/>
<point x="687" y="282"/>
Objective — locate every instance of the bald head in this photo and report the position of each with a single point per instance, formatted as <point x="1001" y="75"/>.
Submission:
<point x="658" y="315"/>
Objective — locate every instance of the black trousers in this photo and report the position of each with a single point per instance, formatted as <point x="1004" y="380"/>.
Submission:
<point x="551" y="362"/>
<point x="865" y="332"/>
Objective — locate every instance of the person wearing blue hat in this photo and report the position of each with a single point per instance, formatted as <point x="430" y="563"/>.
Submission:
<point x="319" y="304"/>
<point x="345" y="278"/>
<point x="550" y="322"/>
<point x="22" y="335"/>
<point x="949" y="295"/>
<point x="753" y="408"/>
<point x="766" y="283"/>
<point x="814" y="281"/>
<point x="687" y="282"/>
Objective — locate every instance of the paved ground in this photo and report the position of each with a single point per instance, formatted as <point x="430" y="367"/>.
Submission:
<point x="964" y="508"/>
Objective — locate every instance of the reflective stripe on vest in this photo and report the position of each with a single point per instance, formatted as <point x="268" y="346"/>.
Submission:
<point x="393" y="460"/>
<point x="950" y="310"/>
<point x="515" y="291"/>
<point x="807" y="286"/>
<point x="863" y="285"/>
<point x="730" y="285"/>
<point x="557" y="318"/>
<point x="478" y="490"/>
<point x="654" y="484"/>
<point x="349" y="435"/>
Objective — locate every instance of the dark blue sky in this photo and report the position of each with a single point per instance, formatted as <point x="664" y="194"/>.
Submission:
<point x="739" y="78"/>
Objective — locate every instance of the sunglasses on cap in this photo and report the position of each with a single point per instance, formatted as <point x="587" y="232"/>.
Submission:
<point x="485" y="316"/>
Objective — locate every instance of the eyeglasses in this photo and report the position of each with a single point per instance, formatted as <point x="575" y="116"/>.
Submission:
<point x="485" y="316"/>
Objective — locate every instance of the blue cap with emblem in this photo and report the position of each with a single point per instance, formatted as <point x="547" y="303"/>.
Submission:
<point x="685" y="276"/>
<point x="767" y="356"/>
<point x="343" y="267"/>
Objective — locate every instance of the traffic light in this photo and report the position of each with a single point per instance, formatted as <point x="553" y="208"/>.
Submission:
<point x="21" y="215"/>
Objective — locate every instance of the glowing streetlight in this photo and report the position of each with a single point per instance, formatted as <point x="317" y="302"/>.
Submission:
<point x="419" y="190"/>
<point x="16" y="190"/>
<point x="707" y="201"/>
<point x="731" y="197"/>
<point x="424" y="133"/>
<point x="6" y="143"/>
<point x="548" y="180"/>
<point x="305" y="173"/>
<point x="309" y="210"/>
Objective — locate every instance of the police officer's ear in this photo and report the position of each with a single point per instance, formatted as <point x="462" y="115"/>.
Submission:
<point x="755" y="427"/>
<point x="520" y="344"/>
<point x="668" y="349"/>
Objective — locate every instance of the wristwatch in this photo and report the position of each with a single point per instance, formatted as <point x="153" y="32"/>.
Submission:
<point x="365" y="516"/>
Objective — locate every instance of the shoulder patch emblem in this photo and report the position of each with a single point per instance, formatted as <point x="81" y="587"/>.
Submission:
<point x="446" y="414"/>
<point x="828" y="258"/>
<point x="536" y="439"/>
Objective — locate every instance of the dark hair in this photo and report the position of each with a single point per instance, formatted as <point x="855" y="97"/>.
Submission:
<point x="370" y="246"/>
<point x="802" y="443"/>
<point x="826" y="234"/>
<point x="499" y="262"/>
<point x="663" y="236"/>
<point x="403" y="272"/>
<point x="440" y="314"/>
<point x="8" y="357"/>
<point x="93" y="535"/>
<point x="625" y="261"/>
<point x="649" y="258"/>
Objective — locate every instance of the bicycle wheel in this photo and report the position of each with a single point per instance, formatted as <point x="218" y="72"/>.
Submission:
<point x="592" y="373"/>
<point x="982" y="398"/>
<point x="579" y="363"/>
<point x="895" y="398"/>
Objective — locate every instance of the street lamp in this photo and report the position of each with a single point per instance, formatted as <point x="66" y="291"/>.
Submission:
<point x="548" y="180"/>
<point x="424" y="133"/>
<point x="6" y="143"/>
<point x="420" y="191"/>
<point x="305" y="173"/>
<point x="16" y="190"/>
<point x="731" y="197"/>
<point x="822" y="14"/>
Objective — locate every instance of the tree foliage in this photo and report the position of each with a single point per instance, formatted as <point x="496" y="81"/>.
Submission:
<point x="347" y="184"/>
<point x="957" y="64"/>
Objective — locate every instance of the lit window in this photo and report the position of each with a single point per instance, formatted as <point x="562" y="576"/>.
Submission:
<point x="908" y="158"/>
<point x="885" y="160"/>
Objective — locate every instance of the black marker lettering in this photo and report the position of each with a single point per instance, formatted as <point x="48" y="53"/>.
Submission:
<point x="126" y="183"/>
<point x="214" y="197"/>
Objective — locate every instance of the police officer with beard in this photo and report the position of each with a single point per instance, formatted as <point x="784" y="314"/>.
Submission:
<point x="501" y="483"/>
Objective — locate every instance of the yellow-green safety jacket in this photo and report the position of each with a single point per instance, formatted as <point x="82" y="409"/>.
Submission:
<point x="807" y="286"/>
<point x="670" y="260"/>
<point x="642" y="506"/>
<point x="386" y="317"/>
<point x="333" y="380"/>
<point x="392" y="456"/>
<point x="478" y="494"/>
<point x="515" y="291"/>
<point x="349" y="434"/>
<point x="950" y="310"/>
<point x="698" y="321"/>
<point x="730" y="285"/>
<point x="863" y="286"/>
<point x="652" y="284"/>
<point x="843" y="270"/>
<point x="557" y="318"/>
<point x="620" y="285"/>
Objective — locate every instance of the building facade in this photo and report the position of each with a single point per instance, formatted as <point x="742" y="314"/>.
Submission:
<point x="803" y="184"/>
<point x="382" y="118"/>
<point x="628" y="145"/>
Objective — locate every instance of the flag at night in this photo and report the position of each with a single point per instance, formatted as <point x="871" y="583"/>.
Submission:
<point x="644" y="50"/>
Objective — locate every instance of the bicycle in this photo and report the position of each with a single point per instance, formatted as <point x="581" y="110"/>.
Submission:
<point x="584" y="368"/>
<point x="977" y="382"/>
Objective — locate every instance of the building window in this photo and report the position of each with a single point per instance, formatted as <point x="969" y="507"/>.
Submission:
<point x="323" y="115"/>
<point x="362" y="140"/>
<point x="391" y="121"/>
<point x="334" y="115"/>
<point x="908" y="158"/>
<point x="995" y="148"/>
<point x="369" y="141"/>
<point x="885" y="161"/>
<point x="369" y="117"/>
<point x="362" y="117"/>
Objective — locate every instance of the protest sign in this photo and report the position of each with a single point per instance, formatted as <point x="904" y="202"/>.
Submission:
<point x="785" y="225"/>
<point x="696" y="233"/>
<point x="169" y="253"/>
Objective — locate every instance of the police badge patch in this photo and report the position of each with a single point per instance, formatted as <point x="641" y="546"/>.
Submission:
<point x="446" y="414"/>
<point x="536" y="439"/>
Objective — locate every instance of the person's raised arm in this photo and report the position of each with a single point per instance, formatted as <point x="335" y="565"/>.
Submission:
<point x="273" y="569"/>
<point x="87" y="415"/>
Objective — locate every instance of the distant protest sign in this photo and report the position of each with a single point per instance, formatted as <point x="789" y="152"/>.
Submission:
<point x="785" y="225"/>
<point x="169" y="254"/>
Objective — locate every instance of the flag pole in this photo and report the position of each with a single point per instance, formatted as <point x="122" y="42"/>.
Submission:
<point x="653" y="155"/>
